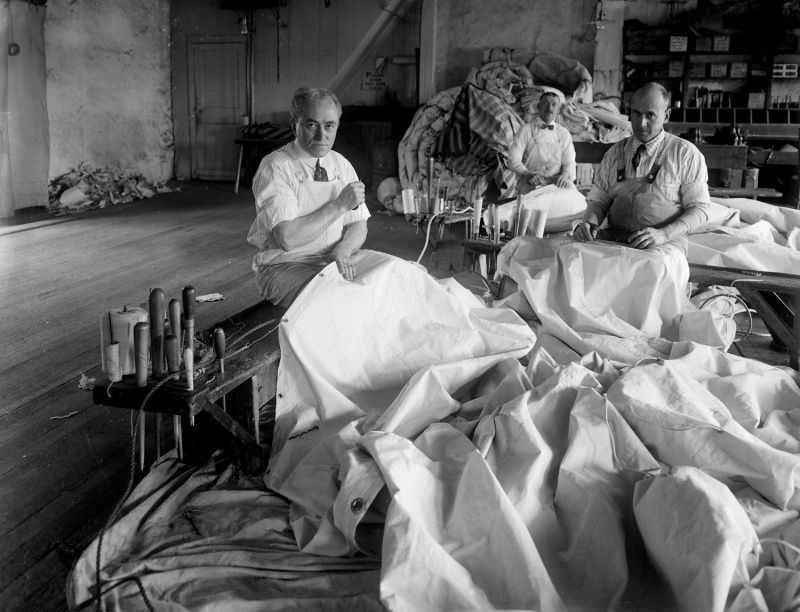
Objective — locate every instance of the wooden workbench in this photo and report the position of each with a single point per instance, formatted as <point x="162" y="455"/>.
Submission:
<point x="225" y="409"/>
<point x="775" y="296"/>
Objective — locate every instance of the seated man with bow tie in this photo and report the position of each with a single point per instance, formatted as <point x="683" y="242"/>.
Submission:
<point x="310" y="206"/>
<point x="542" y="152"/>
<point x="651" y="188"/>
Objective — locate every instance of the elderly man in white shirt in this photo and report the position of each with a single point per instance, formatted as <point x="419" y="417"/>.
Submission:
<point x="542" y="152"/>
<point x="652" y="187"/>
<point x="310" y="205"/>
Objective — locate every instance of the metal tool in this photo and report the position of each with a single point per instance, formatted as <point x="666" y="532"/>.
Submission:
<point x="219" y="351"/>
<point x="189" y="296"/>
<point x="141" y="336"/>
<point x="157" y="332"/>
<point x="174" y="365"/>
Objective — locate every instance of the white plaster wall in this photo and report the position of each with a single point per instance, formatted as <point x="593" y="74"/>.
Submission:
<point x="108" y="85"/>
<point x="467" y="27"/>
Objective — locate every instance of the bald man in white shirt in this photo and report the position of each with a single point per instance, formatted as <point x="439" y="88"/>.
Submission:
<point x="652" y="187"/>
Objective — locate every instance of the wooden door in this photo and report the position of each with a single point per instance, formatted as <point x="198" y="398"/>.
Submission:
<point x="217" y="99"/>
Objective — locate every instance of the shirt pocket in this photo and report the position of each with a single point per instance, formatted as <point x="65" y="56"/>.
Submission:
<point x="671" y="191"/>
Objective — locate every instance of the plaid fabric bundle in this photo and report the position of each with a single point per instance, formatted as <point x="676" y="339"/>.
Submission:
<point x="478" y="134"/>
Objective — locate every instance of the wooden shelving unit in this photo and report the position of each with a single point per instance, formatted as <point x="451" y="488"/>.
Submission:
<point x="727" y="76"/>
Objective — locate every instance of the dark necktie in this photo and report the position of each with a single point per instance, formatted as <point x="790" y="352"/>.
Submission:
<point x="637" y="157"/>
<point x="320" y="174"/>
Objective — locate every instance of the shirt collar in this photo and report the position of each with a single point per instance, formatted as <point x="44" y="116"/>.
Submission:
<point x="541" y="124"/>
<point x="651" y="145"/>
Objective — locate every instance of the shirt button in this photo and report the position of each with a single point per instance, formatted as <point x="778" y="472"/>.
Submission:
<point x="357" y="505"/>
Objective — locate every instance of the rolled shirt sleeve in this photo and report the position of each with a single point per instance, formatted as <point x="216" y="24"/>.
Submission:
<point x="516" y="153"/>
<point x="694" y="194"/>
<point x="599" y="199"/>
<point x="274" y="189"/>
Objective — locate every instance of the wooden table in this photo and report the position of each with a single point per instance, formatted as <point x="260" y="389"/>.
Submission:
<point x="775" y="296"/>
<point x="744" y="192"/>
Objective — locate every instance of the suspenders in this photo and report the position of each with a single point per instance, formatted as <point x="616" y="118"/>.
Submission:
<point x="651" y="176"/>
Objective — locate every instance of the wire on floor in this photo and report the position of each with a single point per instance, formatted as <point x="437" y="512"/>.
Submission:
<point x="427" y="236"/>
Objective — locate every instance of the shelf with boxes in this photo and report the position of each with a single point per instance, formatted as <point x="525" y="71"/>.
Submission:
<point x="725" y="71"/>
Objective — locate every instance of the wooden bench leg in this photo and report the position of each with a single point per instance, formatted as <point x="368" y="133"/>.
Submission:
<point x="794" y="352"/>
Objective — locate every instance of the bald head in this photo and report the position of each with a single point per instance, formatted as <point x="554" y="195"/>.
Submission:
<point x="649" y="111"/>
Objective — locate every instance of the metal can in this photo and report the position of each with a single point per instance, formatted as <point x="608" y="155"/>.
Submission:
<point x="750" y="178"/>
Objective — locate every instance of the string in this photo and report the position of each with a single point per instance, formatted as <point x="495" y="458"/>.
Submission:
<point x="236" y="339"/>
<point x="129" y="488"/>
<point x="739" y="299"/>
<point x="427" y="237"/>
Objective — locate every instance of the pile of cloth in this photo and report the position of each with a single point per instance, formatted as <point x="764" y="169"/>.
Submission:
<point x="435" y="453"/>
<point x="487" y="111"/>
<point x="86" y="188"/>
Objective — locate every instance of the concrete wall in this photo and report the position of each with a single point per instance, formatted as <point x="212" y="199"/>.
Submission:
<point x="467" y="27"/>
<point x="108" y="85"/>
<point x="23" y="124"/>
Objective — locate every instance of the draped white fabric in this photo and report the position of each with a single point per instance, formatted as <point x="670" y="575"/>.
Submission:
<point x="443" y="442"/>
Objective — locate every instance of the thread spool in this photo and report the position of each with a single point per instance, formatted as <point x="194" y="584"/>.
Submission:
<point x="538" y="222"/>
<point x="156" y="304"/>
<point x="117" y="326"/>
<point x="112" y="362"/>
<point x="477" y="212"/>
<point x="141" y="337"/>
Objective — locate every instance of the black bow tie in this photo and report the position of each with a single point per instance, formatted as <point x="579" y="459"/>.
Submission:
<point x="320" y="174"/>
<point x="550" y="126"/>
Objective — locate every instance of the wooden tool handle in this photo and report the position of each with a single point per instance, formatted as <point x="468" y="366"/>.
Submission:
<point x="219" y="342"/>
<point x="141" y="346"/>
<point x="173" y="353"/>
<point x="175" y="317"/>
<point x="189" y="296"/>
<point x="157" y="331"/>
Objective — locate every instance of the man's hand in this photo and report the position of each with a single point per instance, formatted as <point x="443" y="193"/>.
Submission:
<point x="648" y="238"/>
<point x="351" y="197"/>
<point x="563" y="181"/>
<point x="346" y="265"/>
<point x="536" y="180"/>
<point x="585" y="231"/>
